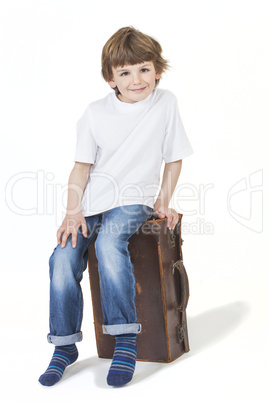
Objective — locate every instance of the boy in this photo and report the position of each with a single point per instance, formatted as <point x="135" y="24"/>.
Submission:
<point x="122" y="140"/>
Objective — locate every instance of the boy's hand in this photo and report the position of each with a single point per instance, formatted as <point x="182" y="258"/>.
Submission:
<point x="170" y="213"/>
<point x="70" y="225"/>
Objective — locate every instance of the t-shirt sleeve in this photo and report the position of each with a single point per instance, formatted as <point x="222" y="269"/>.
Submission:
<point x="176" y="145"/>
<point x="86" y="147"/>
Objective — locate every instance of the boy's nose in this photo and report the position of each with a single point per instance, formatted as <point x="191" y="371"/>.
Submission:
<point x="136" y="79"/>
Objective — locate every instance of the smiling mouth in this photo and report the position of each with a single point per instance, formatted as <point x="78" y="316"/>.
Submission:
<point x="138" y="90"/>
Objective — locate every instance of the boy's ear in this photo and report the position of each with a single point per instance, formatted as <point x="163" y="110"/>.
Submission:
<point x="158" y="76"/>
<point x="112" y="83"/>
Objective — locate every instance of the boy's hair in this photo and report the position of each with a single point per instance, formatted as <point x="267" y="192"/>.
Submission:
<point x="128" y="46"/>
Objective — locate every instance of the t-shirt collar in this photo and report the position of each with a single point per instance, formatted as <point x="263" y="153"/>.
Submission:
<point x="128" y="105"/>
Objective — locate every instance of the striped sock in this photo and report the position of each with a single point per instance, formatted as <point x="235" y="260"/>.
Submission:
<point x="62" y="357"/>
<point x="124" y="360"/>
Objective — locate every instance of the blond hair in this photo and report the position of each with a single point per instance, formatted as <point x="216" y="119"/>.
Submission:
<point x="128" y="46"/>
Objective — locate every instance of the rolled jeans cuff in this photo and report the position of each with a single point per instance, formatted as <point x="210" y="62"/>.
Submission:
<point x="65" y="340"/>
<point x="120" y="329"/>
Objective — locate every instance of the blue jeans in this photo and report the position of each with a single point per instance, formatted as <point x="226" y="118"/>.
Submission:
<point x="111" y="230"/>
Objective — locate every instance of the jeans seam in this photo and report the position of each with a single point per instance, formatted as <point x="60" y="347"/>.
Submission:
<point x="151" y="209"/>
<point x="83" y="262"/>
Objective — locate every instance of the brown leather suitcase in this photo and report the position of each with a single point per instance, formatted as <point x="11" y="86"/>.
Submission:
<point x="162" y="292"/>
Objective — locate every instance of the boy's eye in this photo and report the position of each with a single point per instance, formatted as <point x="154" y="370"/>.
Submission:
<point x="125" y="73"/>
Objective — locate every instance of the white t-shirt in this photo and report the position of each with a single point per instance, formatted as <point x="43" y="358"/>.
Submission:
<point x="127" y="143"/>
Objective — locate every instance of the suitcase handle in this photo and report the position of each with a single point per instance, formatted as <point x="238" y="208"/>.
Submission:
<point x="182" y="282"/>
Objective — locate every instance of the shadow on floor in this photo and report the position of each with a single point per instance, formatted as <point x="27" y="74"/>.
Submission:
<point x="205" y="330"/>
<point x="213" y="326"/>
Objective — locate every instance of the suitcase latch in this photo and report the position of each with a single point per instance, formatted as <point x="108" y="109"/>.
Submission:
<point x="171" y="239"/>
<point x="180" y="332"/>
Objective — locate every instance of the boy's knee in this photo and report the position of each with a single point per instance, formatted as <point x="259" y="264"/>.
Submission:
<point x="59" y="277"/>
<point x="61" y="266"/>
<point x="108" y="243"/>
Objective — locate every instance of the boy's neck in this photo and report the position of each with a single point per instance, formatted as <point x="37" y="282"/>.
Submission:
<point x="126" y="100"/>
<point x="123" y="99"/>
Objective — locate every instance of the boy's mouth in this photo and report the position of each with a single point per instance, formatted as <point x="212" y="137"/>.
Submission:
<point x="138" y="90"/>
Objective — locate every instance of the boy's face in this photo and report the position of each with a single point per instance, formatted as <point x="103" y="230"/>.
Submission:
<point x="135" y="82"/>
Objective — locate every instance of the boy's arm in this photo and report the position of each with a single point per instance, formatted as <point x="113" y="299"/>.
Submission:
<point x="171" y="175"/>
<point x="74" y="217"/>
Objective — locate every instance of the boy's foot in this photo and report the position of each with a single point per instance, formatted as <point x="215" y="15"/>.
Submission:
<point x="62" y="357"/>
<point x="124" y="360"/>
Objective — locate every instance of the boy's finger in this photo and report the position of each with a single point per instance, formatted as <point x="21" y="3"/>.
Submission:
<point x="169" y="219"/>
<point x="161" y="214"/>
<point x="63" y="240"/>
<point x="175" y="220"/>
<point x="84" y="229"/>
<point x="74" y="239"/>
<point x="59" y="233"/>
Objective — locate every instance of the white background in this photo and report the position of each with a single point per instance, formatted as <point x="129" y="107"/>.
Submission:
<point x="50" y="71"/>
